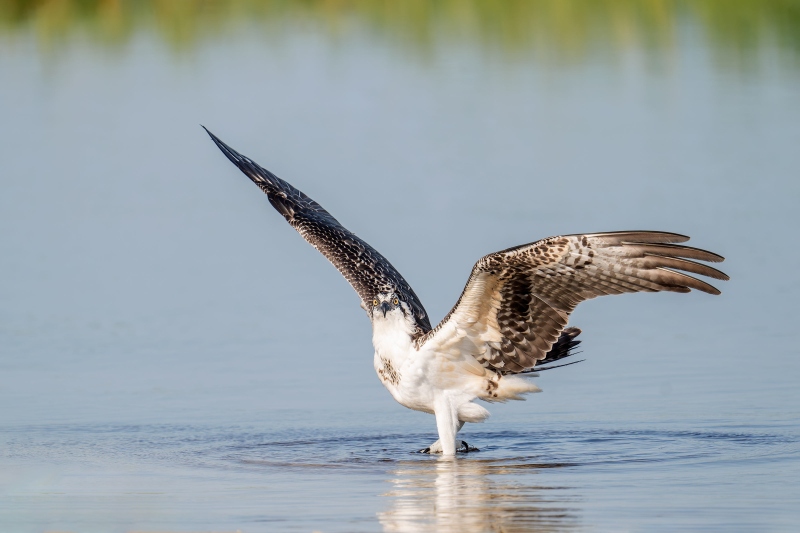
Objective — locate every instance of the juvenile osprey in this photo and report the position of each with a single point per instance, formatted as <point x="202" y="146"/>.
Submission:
<point x="511" y="315"/>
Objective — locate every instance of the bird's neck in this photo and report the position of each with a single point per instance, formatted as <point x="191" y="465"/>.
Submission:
<point x="392" y="334"/>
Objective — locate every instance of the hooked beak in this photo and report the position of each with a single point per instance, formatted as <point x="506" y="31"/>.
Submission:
<point x="385" y="307"/>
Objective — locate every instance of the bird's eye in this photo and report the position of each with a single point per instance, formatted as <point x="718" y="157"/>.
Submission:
<point x="375" y="303"/>
<point x="395" y="301"/>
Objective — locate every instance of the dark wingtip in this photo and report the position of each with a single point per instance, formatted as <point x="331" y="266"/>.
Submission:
<point x="259" y="176"/>
<point x="235" y="157"/>
<point x="213" y="137"/>
<point x="551" y="367"/>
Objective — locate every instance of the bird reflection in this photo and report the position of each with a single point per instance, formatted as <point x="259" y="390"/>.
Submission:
<point x="472" y="495"/>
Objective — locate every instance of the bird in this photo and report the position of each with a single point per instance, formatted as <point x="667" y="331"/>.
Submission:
<point x="512" y="314"/>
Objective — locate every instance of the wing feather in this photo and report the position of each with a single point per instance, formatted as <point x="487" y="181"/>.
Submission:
<point x="517" y="301"/>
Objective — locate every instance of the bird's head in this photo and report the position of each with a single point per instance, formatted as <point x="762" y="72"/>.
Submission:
<point x="386" y="304"/>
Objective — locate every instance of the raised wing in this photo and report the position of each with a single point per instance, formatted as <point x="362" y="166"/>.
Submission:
<point x="365" y="269"/>
<point x="517" y="301"/>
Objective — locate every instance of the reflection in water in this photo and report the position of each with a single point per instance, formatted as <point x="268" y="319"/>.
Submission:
<point x="472" y="495"/>
<point x="555" y="30"/>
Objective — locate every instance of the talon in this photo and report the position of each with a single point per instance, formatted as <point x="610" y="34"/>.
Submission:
<point x="466" y="448"/>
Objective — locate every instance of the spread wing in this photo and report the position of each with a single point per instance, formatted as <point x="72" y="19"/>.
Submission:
<point x="368" y="272"/>
<point x="517" y="301"/>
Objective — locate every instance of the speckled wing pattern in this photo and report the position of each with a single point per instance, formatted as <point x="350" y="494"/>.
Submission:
<point x="517" y="301"/>
<point x="365" y="269"/>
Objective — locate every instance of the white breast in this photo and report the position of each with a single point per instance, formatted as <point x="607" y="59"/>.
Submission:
<point x="400" y="367"/>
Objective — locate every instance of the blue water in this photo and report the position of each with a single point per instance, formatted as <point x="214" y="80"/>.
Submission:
<point x="173" y="357"/>
<point x="342" y="478"/>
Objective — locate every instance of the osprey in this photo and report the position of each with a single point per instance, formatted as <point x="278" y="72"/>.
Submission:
<point x="511" y="316"/>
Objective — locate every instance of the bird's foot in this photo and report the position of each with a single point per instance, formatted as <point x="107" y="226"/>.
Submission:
<point x="461" y="447"/>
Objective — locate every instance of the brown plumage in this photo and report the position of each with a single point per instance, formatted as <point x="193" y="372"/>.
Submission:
<point x="367" y="271"/>
<point x="517" y="301"/>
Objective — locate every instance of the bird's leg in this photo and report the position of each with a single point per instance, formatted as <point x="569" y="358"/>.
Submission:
<point x="461" y="445"/>
<point x="436" y="447"/>
<point x="449" y="425"/>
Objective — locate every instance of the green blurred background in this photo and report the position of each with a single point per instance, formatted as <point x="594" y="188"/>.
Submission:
<point x="557" y="30"/>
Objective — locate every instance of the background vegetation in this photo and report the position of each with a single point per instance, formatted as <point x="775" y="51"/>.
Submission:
<point x="558" y="30"/>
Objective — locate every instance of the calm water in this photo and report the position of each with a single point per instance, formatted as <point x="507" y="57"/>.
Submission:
<point x="173" y="357"/>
